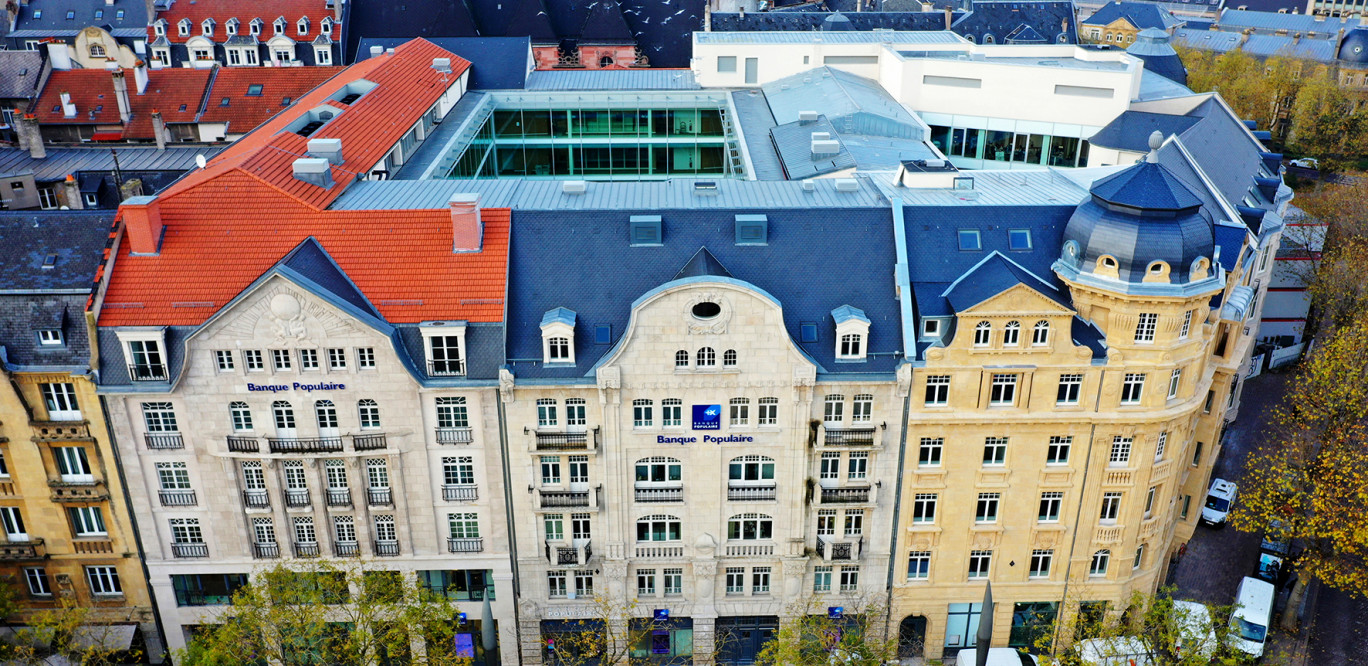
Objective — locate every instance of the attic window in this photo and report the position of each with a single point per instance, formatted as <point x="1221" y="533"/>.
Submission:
<point x="119" y="14"/>
<point x="807" y="332"/>
<point x="303" y="27"/>
<point x="50" y="261"/>
<point x="969" y="240"/>
<point x="254" y="90"/>
<point x="930" y="327"/>
<point x="752" y="230"/>
<point x="37" y="13"/>
<point x="224" y="101"/>
<point x="284" y="101"/>
<point x="645" y="230"/>
<point x="50" y="337"/>
<point x="1019" y="240"/>
<point x="706" y="310"/>
<point x="99" y="14"/>
<point x="325" y="27"/>
<point x="71" y="14"/>
<point x="603" y="334"/>
<point x="182" y="108"/>
<point x="254" y="28"/>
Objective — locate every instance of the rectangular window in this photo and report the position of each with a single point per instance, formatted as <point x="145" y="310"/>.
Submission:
<point x="464" y="525"/>
<point x="1111" y="508"/>
<point x="857" y="466"/>
<point x="672" y="412"/>
<point x="384" y="528"/>
<point x="451" y="413"/>
<point x="830" y="466"/>
<point x="862" y="409"/>
<point x="104" y="581"/>
<point x="173" y="476"/>
<point x="1069" y="386"/>
<point x="159" y="417"/>
<point x="1144" y="328"/>
<point x="280" y="359"/>
<point x="1187" y="325"/>
<point x="377" y="473"/>
<point x="546" y="413"/>
<point x="1139" y="557"/>
<point x="458" y="470"/>
<point x="550" y="470"/>
<point x="1160" y="445"/>
<point x="365" y="358"/>
<point x="969" y="240"/>
<point x="579" y="469"/>
<point x="37" y="582"/>
<point x="1187" y="504"/>
<point x="1132" y="388"/>
<point x="850" y="578"/>
<point x="854" y="522"/>
<point x="1149" y="501"/>
<point x="252" y="476"/>
<point x="769" y="412"/>
<point x="1058" y="452"/>
<point x="929" y="453"/>
<point x="1175" y="380"/>
<point x="1040" y="563"/>
<point x="1197" y="455"/>
<point x="760" y="580"/>
<point x="579" y="526"/>
<point x="726" y="64"/>
<point x="994" y="451"/>
<point x="224" y="359"/>
<point x="646" y="582"/>
<point x="1003" y="390"/>
<point x="337" y="359"/>
<point x="60" y="400"/>
<point x="739" y="412"/>
<point x="736" y="580"/>
<point x="937" y="390"/>
<point x="1206" y="406"/>
<point x="980" y="562"/>
<point x="186" y="530"/>
<point x="555" y="580"/>
<point x="919" y="565"/>
<point x="987" y="508"/>
<point x="674" y="582"/>
<point x="924" y="508"/>
<point x="49" y="337"/>
<point x="308" y="359"/>
<point x="1049" y="507"/>
<point x="253" y="360"/>
<point x="834" y="407"/>
<point x="72" y="464"/>
<point x="554" y="526"/>
<point x="1120" y="451"/>
<point x="821" y="579"/>
<point x="87" y="521"/>
<point x="826" y="522"/>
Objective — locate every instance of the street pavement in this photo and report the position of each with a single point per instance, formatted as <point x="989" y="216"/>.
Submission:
<point x="1217" y="558"/>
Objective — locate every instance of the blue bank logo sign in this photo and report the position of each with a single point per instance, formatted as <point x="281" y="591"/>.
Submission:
<point x="707" y="417"/>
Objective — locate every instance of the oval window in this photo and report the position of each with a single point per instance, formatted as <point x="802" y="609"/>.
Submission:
<point x="706" y="310"/>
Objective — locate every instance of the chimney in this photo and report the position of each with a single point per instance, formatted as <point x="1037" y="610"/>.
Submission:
<point x="142" y="225"/>
<point x="68" y="109"/>
<point x="121" y="94"/>
<point x="159" y="129"/>
<point x="377" y="51"/>
<point x="467" y="231"/>
<point x="140" y="76"/>
<point x="58" y="56"/>
<point x="948" y="19"/>
<point x="442" y="65"/>
<point x="742" y="11"/>
<point x="707" y="17"/>
<point x="314" y="171"/>
<point x="337" y="12"/>
<point x="131" y="188"/>
<point x="109" y="3"/>
<point x="31" y="135"/>
<point x="71" y="193"/>
<point x="328" y="149"/>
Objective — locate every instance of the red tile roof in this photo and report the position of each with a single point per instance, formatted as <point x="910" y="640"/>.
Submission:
<point x="228" y="223"/>
<point x="244" y="11"/>
<point x="168" y="90"/>
<point x="244" y="111"/>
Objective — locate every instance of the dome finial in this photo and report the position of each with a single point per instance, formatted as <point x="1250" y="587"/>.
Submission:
<point x="1156" y="139"/>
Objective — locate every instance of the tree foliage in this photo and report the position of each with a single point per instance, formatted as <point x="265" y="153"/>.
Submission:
<point x="64" y="634"/>
<point x="1337" y="275"/>
<point x="1168" y="632"/>
<point x="612" y="635"/>
<point x="813" y="638"/>
<point x="327" y="614"/>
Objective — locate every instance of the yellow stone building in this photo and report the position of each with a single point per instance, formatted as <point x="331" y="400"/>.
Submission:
<point x="68" y="534"/>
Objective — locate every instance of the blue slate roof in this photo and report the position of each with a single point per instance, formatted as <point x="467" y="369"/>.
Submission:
<point x="1140" y="14"/>
<point x="496" y="63"/>
<point x="1207" y="40"/>
<point x="604" y="24"/>
<point x="529" y="18"/>
<point x="1146" y="186"/>
<point x="1152" y="46"/>
<point x="54" y="19"/>
<point x="310" y="261"/>
<point x="993" y="275"/>
<point x="75" y="238"/>
<point x="813" y="20"/>
<point x="1236" y="20"/>
<point x="1053" y="21"/>
<point x="1130" y="131"/>
<point x="1230" y="238"/>
<point x="598" y="275"/>
<point x="412" y="18"/>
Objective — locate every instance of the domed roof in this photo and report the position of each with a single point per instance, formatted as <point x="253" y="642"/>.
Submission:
<point x="837" y="21"/>
<point x="1354" y="48"/>
<point x="1136" y="217"/>
<point x="1152" y="45"/>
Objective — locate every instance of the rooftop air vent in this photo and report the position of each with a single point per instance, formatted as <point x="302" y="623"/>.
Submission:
<point x="574" y="187"/>
<point x="807" y="116"/>
<point x="442" y="65"/>
<point x="705" y="187"/>
<point x="824" y="146"/>
<point x="809" y="185"/>
<point x="847" y="185"/>
<point x="377" y="51"/>
<point x="935" y="164"/>
<point x="314" y="171"/>
<point x="328" y="149"/>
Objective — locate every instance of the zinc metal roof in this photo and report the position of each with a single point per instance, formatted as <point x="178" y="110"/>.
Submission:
<point x="613" y="79"/>
<point x="1234" y="19"/>
<point x="755" y="120"/>
<point x="1036" y="187"/>
<point x="894" y="37"/>
<point x="62" y="161"/>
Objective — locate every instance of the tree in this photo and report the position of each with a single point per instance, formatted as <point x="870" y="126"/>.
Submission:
<point x="61" y="635"/>
<point x="614" y="635"/>
<point x="323" y="613"/>
<point x="1323" y="122"/>
<point x="1309" y="480"/>
<point x="816" y="636"/>
<point x="1337" y="246"/>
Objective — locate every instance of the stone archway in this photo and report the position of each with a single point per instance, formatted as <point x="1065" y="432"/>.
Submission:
<point x="912" y="637"/>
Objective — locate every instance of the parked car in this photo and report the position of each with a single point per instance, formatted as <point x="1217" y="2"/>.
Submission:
<point x="998" y="657"/>
<point x="1306" y="163"/>
<point x="1198" y="638"/>
<point x="1219" y="500"/>
<point x="1253" y="613"/>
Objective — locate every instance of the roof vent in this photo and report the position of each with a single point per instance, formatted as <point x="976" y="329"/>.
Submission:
<point x="574" y="186"/>
<point x="328" y="149"/>
<point x="935" y="164"/>
<point x="314" y="171"/>
<point x="442" y="65"/>
<point x="809" y="186"/>
<point x="847" y="185"/>
<point x="377" y="51"/>
<point x="807" y="116"/>
<point x="823" y="145"/>
<point x="705" y="187"/>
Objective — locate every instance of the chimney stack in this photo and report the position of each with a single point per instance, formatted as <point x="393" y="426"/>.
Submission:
<point x="742" y="11"/>
<point x="131" y="188"/>
<point x="68" y="108"/>
<point x="31" y="135"/>
<point x="142" y="225"/>
<point x="948" y="18"/>
<point x="58" y="55"/>
<point x="337" y="11"/>
<point x="71" y="193"/>
<point x="159" y="129"/>
<point x="467" y="230"/>
<point x="314" y="171"/>
<point x="328" y="149"/>
<point x="805" y="117"/>
<point x="121" y="94"/>
<point x="707" y="17"/>
<point x="140" y="76"/>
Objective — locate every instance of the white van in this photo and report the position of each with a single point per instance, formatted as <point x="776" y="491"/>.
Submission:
<point x="997" y="657"/>
<point x="1253" y="613"/>
<point x="1198" y="638"/>
<point x="1218" y="502"/>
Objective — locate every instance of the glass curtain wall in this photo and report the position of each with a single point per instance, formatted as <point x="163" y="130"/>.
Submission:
<point x="1009" y="147"/>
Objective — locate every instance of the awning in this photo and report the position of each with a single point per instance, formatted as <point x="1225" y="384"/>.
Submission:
<point x="107" y="136"/>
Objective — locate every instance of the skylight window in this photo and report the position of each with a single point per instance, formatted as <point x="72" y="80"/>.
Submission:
<point x="254" y="90"/>
<point x="224" y="102"/>
<point x="119" y="14"/>
<point x="99" y="14"/>
<point x="285" y="101"/>
<point x="1019" y="240"/>
<point x="603" y="334"/>
<point x="37" y="13"/>
<point x="969" y="240"/>
<point x="182" y="108"/>
<point x="71" y="14"/>
<point x="807" y="332"/>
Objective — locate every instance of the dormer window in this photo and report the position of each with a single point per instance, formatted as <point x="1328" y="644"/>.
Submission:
<point x="144" y="352"/>
<point x="931" y="328"/>
<point x="159" y="28"/>
<point x="183" y="28"/>
<point x="207" y="28"/>
<point x="852" y="333"/>
<point x="50" y="337"/>
<point x="279" y="26"/>
<point x="231" y="27"/>
<point x="254" y="28"/>
<point x="303" y="26"/>
<point x="445" y="345"/>
<point x="326" y="26"/>
<point x="558" y="336"/>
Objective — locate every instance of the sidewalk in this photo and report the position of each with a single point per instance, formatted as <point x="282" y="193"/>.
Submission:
<point x="1287" y="649"/>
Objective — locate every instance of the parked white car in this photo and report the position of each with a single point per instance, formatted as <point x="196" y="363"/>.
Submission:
<point x="1219" y="501"/>
<point x="1306" y="163"/>
<point x="998" y="657"/>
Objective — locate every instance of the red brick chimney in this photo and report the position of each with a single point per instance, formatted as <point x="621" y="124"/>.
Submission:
<point x="142" y="225"/>
<point x="467" y="230"/>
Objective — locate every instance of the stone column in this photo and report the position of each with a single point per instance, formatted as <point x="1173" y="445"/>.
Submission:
<point x="529" y="632"/>
<point x="704" y="640"/>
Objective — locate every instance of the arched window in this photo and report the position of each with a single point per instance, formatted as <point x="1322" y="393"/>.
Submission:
<point x="681" y="359"/>
<point x="729" y="358"/>
<point x="606" y="61"/>
<point x="242" y="416"/>
<point x="983" y="334"/>
<point x="658" y="528"/>
<point x="641" y="413"/>
<point x="284" y="415"/>
<point x="707" y="358"/>
<point x="558" y="349"/>
<point x="740" y="412"/>
<point x="988" y="39"/>
<point x="1011" y="334"/>
<point x="369" y="413"/>
<point x="1040" y="334"/>
<point x="97" y="51"/>
<point x="659" y="470"/>
<point x="750" y="527"/>
<point x="1100" y="560"/>
<point x="751" y="468"/>
<point x="326" y="412"/>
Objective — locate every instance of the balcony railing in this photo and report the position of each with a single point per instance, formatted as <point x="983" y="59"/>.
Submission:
<point x="92" y="545"/>
<point x="244" y="444"/>
<point x="379" y="496"/>
<point x="454" y="436"/>
<point x="177" y="497"/>
<point x="460" y="493"/>
<point x="451" y="368"/>
<point x="849" y="437"/>
<point x="164" y="440"/>
<point x="749" y="549"/>
<point x="190" y="549"/>
<point x="23" y="550"/>
<point x="562" y="553"/>
<point x="347" y="549"/>
<point x="369" y="442"/>
<point x="752" y="493"/>
<point x="659" y="552"/>
<point x="297" y="499"/>
<point x="386" y="548"/>
<point x="563" y="499"/>
<point x="256" y="499"/>
<point x="840" y="550"/>
<point x="465" y="545"/>
<point x="647" y="495"/>
<point x="266" y="551"/>
<point x="304" y="444"/>
<point x="845" y="495"/>
<point x="339" y="497"/>
<point x="562" y="441"/>
<point x="309" y="549"/>
<point x="147" y="372"/>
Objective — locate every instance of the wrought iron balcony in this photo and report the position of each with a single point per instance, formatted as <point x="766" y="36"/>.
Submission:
<point x="266" y="551"/>
<point x="190" y="549"/>
<point x="752" y="493"/>
<point x="848" y="437"/>
<point x="256" y="499"/>
<point x="297" y="499"/>
<point x="379" y="496"/>
<point x="244" y="444"/>
<point x="460" y="493"/>
<point x="832" y="549"/>
<point x="564" y="553"/>
<point x="164" y="440"/>
<point x="147" y="372"/>
<point x="847" y="495"/>
<point x="386" y="548"/>
<point x="566" y="499"/>
<point x="565" y="440"/>
<point x="307" y="549"/>
<point x="305" y="444"/>
<point x="339" y="497"/>
<point x="177" y="497"/>
<point x="649" y="495"/>
<point x="448" y="368"/>
<point x="465" y="545"/>
<point x="454" y="436"/>
<point x="347" y="549"/>
<point x="373" y="442"/>
<point x="23" y="550"/>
